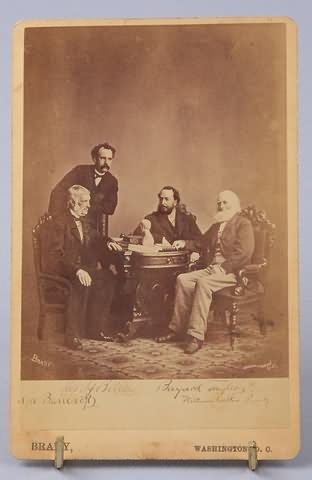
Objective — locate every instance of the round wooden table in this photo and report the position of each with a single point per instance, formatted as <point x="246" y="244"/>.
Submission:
<point x="155" y="276"/>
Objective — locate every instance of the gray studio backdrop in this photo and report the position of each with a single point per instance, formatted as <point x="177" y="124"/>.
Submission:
<point x="198" y="107"/>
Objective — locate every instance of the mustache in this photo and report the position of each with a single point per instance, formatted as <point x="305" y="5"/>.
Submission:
<point x="225" y="215"/>
<point x="104" y="167"/>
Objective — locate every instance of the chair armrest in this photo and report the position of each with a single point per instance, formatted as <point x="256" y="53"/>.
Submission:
<point x="242" y="276"/>
<point x="252" y="269"/>
<point x="198" y="265"/>
<point x="62" y="281"/>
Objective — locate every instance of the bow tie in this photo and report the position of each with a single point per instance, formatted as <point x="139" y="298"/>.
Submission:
<point x="98" y="175"/>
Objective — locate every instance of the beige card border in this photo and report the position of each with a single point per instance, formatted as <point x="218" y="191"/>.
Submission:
<point x="275" y="443"/>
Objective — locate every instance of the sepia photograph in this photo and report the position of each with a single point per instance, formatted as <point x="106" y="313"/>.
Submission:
<point x="156" y="259"/>
<point x="154" y="202"/>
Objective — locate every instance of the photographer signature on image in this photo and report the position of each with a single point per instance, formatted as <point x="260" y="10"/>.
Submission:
<point x="39" y="361"/>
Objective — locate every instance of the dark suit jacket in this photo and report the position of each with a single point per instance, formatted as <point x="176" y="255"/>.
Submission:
<point x="185" y="227"/>
<point x="103" y="196"/>
<point x="237" y="243"/>
<point x="63" y="253"/>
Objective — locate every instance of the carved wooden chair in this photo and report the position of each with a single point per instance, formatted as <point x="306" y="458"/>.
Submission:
<point x="53" y="290"/>
<point x="251" y="279"/>
<point x="183" y="209"/>
<point x="102" y="224"/>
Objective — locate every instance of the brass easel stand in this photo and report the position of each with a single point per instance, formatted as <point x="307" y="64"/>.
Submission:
<point x="252" y="455"/>
<point x="59" y="453"/>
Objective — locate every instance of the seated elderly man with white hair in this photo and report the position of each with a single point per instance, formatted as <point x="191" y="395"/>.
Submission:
<point x="76" y="251"/>
<point x="227" y="246"/>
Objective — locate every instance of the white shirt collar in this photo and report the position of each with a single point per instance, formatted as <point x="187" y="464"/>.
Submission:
<point x="76" y="217"/>
<point x="101" y="174"/>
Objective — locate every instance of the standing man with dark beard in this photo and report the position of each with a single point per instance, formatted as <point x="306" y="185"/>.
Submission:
<point x="103" y="186"/>
<point x="169" y="224"/>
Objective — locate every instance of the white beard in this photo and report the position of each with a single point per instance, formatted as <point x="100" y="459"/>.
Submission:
<point x="225" y="215"/>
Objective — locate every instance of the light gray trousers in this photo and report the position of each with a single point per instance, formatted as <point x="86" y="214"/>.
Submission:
<point x="193" y="299"/>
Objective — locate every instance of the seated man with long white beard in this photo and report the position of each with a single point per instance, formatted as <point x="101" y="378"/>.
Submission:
<point x="227" y="246"/>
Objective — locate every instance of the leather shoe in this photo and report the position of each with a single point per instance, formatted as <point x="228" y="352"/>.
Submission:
<point x="74" y="344"/>
<point x="170" y="336"/>
<point x="193" y="345"/>
<point x="105" y="338"/>
<point x="102" y="337"/>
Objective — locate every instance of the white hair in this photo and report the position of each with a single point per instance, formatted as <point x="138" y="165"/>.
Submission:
<point x="232" y="198"/>
<point x="75" y="192"/>
<point x="234" y="206"/>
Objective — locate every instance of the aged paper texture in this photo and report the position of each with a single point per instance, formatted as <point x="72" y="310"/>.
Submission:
<point x="205" y="106"/>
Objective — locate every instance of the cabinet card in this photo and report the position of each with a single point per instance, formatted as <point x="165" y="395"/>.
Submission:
<point x="204" y="105"/>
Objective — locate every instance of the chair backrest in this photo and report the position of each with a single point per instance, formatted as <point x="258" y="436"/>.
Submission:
<point x="102" y="224"/>
<point x="264" y="232"/>
<point x="44" y="220"/>
<point x="183" y="209"/>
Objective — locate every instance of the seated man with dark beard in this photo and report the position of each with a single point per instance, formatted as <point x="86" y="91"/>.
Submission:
<point x="169" y="224"/>
<point x="227" y="246"/>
